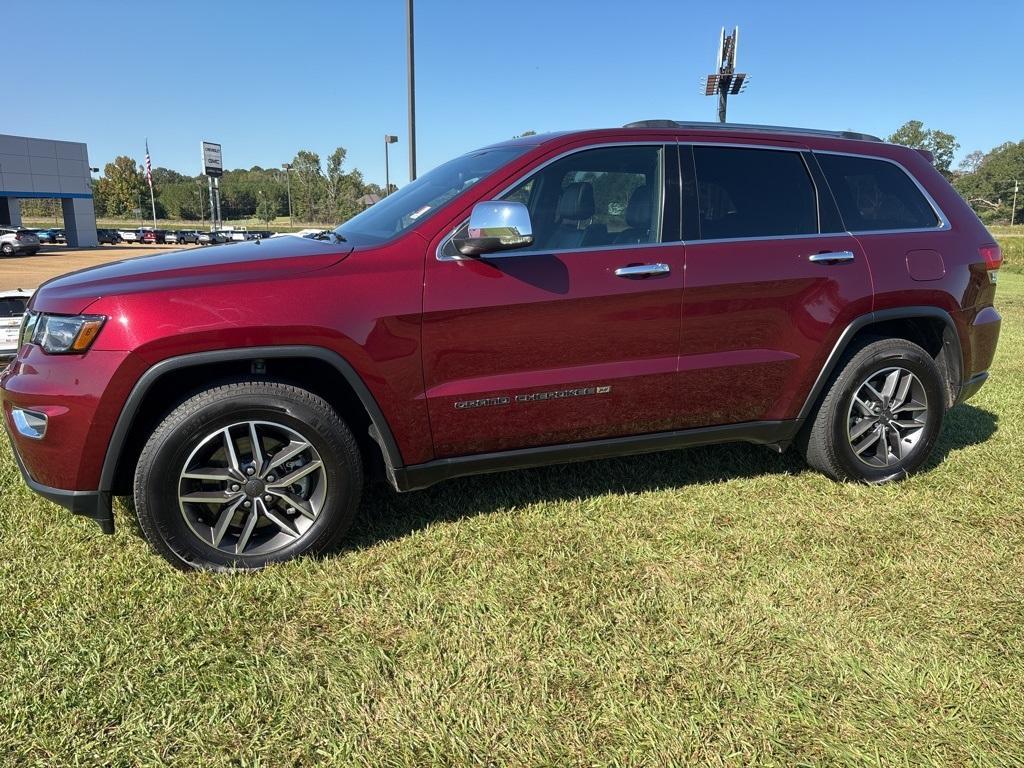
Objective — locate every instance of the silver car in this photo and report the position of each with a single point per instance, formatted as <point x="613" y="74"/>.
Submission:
<point x="12" y="307"/>
<point x="15" y="240"/>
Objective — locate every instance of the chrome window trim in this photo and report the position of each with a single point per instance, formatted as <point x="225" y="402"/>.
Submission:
<point x="767" y="237"/>
<point x="536" y="169"/>
<point x="944" y="224"/>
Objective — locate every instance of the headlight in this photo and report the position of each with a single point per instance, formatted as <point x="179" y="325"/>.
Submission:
<point x="60" y="334"/>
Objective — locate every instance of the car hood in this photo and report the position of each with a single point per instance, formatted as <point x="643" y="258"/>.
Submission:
<point x="233" y="262"/>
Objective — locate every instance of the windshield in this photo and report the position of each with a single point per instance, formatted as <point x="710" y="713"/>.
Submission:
<point x="418" y="200"/>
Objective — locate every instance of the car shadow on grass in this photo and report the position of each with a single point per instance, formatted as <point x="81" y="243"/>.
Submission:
<point x="386" y="515"/>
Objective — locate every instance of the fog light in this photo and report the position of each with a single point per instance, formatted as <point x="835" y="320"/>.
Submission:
<point x="29" y="423"/>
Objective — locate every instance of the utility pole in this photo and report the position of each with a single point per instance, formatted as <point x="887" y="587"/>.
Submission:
<point x="388" y="139"/>
<point x="726" y="81"/>
<point x="412" y="91"/>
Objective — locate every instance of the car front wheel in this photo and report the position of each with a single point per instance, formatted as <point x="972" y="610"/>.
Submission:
<point x="881" y="415"/>
<point x="248" y="474"/>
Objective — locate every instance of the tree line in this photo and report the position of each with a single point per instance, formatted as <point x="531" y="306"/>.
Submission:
<point x="320" y="192"/>
<point x="985" y="180"/>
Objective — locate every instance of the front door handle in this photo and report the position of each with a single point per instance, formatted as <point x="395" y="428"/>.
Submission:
<point x="831" y="257"/>
<point x="634" y="271"/>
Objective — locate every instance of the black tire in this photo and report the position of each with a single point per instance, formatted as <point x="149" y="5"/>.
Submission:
<point x="7" y="249"/>
<point x="163" y="459"/>
<point x="826" y="440"/>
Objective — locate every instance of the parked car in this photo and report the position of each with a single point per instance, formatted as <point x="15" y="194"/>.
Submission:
<point x="45" y="235"/>
<point x="16" y="241"/>
<point x="154" y="236"/>
<point x="59" y="236"/>
<point x="838" y="297"/>
<point x="12" y="308"/>
<point x="190" y="236"/>
<point x="130" y="236"/>
<point x="213" y="238"/>
<point x="108" y="236"/>
<point x="171" y="238"/>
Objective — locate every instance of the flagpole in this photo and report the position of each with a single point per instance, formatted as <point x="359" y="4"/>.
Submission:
<point x="149" y="178"/>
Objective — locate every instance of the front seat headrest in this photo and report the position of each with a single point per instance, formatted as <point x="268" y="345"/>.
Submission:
<point x="576" y="202"/>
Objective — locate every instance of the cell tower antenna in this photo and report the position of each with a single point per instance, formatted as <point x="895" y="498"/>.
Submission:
<point x="726" y="81"/>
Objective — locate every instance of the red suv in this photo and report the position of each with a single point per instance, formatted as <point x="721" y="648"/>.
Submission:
<point x="553" y="298"/>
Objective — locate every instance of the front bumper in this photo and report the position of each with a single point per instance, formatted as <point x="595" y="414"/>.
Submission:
<point x="92" y="504"/>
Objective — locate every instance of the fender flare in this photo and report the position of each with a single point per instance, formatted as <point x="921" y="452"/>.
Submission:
<point x="380" y="431"/>
<point x="896" y="313"/>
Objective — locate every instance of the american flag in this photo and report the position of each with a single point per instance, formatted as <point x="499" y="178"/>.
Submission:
<point x="149" y="167"/>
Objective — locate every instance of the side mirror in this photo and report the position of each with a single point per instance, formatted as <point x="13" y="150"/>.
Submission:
<point x="496" y="226"/>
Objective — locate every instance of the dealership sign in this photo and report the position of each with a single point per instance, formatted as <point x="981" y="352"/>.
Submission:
<point x="213" y="163"/>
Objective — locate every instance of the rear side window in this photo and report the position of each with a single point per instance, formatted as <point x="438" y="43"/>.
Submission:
<point x="753" y="193"/>
<point x="875" y="195"/>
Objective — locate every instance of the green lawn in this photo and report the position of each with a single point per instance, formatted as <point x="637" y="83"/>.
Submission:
<point x="713" y="606"/>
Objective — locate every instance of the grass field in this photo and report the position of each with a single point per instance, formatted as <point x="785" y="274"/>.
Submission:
<point x="718" y="606"/>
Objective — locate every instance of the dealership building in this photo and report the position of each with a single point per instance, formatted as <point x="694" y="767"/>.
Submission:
<point x="50" y="169"/>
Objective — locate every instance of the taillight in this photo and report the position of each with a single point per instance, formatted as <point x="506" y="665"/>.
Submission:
<point x="992" y="255"/>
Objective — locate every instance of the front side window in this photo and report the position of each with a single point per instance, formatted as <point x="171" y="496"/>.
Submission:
<point x="753" y="193"/>
<point x="875" y="195"/>
<point x="609" y="196"/>
<point x="420" y="199"/>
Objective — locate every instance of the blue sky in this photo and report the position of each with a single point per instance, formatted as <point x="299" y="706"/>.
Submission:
<point x="266" y="79"/>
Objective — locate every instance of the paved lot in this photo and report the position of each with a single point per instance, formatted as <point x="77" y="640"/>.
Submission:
<point x="53" y="260"/>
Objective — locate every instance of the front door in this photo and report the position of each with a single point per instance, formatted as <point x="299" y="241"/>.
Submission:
<point x="574" y="338"/>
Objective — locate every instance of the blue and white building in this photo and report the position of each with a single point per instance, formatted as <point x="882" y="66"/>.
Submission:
<point x="51" y="169"/>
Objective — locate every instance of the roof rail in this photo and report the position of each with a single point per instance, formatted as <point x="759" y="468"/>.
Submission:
<point x="699" y="126"/>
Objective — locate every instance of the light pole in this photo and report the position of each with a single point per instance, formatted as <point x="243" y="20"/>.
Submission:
<point x="412" y="91"/>
<point x="288" y="175"/>
<point x="388" y="139"/>
<point x="1013" y="208"/>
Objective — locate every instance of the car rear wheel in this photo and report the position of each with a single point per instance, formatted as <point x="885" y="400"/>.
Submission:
<point x="245" y="475"/>
<point x="881" y="415"/>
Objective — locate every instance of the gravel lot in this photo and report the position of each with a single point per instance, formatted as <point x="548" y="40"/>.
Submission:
<point x="53" y="260"/>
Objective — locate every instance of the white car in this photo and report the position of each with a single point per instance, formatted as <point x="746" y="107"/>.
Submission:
<point x="129" y="236"/>
<point x="16" y="240"/>
<point x="12" y="307"/>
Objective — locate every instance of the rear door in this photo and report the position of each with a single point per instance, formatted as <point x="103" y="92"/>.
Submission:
<point x="771" y="281"/>
<point x="575" y="338"/>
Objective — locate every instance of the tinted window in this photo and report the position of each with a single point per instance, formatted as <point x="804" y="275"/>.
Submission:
<point x="875" y="194"/>
<point x="606" y="196"/>
<point x="753" y="193"/>
<point x="597" y="197"/>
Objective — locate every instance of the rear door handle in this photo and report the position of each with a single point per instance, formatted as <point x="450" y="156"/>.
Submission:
<point x="831" y="257"/>
<point x="634" y="271"/>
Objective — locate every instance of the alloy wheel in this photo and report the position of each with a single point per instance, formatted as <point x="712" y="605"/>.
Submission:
<point x="887" y="417"/>
<point x="252" y="488"/>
